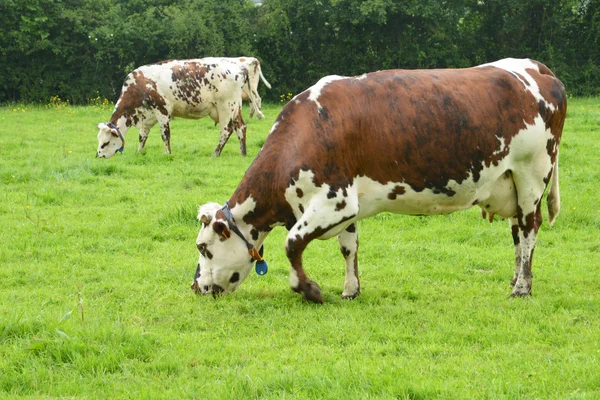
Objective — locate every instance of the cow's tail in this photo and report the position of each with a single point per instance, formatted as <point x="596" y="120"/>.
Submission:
<point x="554" y="195"/>
<point x="251" y="97"/>
<point x="262" y="77"/>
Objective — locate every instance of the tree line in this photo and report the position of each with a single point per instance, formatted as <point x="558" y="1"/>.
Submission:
<point x="82" y="49"/>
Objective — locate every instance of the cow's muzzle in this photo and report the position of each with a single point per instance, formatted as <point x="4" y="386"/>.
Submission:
<point x="217" y="290"/>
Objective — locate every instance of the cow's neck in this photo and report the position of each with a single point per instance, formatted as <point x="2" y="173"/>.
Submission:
<point x="121" y="120"/>
<point x="259" y="199"/>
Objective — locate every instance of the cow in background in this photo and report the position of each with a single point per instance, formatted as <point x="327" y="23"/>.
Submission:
<point x="254" y="75"/>
<point x="156" y="93"/>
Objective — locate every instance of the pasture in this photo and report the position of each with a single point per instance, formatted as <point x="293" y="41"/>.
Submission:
<point x="97" y="257"/>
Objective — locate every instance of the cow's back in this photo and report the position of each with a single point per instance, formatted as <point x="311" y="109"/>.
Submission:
<point x="191" y="88"/>
<point x="423" y="127"/>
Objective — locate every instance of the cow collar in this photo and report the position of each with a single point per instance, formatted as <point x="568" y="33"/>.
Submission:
<point x="113" y="126"/>
<point x="261" y="265"/>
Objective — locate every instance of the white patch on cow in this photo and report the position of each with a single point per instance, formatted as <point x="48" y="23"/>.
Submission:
<point x="244" y="208"/>
<point x="520" y="66"/>
<point x="315" y="90"/>
<point x="318" y="211"/>
<point x="349" y="242"/>
<point x="273" y="127"/>
<point x="361" y="77"/>
<point x="294" y="281"/>
<point x="501" y="148"/>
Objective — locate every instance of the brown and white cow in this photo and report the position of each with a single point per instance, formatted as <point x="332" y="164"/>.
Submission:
<point x="419" y="142"/>
<point x="177" y="88"/>
<point x="254" y="76"/>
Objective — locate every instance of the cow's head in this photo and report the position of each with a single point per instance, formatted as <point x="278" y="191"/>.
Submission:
<point x="225" y="259"/>
<point x="110" y="140"/>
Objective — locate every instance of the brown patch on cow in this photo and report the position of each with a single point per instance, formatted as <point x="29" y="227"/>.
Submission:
<point x="254" y="234"/>
<point x="398" y="190"/>
<point x="526" y="222"/>
<point x="345" y="252"/>
<point x="142" y="92"/>
<point x="515" y="234"/>
<point x="340" y="206"/>
<point x="299" y="193"/>
<point x="188" y="79"/>
<point x="351" y="228"/>
<point x="301" y="208"/>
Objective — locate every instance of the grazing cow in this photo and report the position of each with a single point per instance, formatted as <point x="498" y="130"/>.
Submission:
<point x="178" y="88"/>
<point x="254" y="75"/>
<point x="417" y="142"/>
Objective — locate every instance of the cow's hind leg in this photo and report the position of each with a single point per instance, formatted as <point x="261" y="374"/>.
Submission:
<point x="348" y="241"/>
<point x="528" y="219"/>
<point x="165" y="128"/>
<point x="514" y="228"/>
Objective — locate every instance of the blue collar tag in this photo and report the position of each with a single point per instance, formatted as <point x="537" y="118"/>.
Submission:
<point x="261" y="267"/>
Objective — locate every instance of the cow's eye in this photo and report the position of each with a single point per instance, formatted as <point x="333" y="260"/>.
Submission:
<point x="104" y="145"/>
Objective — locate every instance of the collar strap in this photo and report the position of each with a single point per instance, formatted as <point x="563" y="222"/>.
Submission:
<point x="113" y="126"/>
<point x="233" y="226"/>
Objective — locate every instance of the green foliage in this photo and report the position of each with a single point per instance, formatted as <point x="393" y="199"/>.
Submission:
<point x="81" y="49"/>
<point x="98" y="256"/>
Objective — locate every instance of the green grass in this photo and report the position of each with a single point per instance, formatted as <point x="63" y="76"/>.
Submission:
<point x="97" y="257"/>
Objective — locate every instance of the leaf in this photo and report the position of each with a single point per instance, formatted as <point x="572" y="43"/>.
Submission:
<point x="62" y="334"/>
<point x="66" y="316"/>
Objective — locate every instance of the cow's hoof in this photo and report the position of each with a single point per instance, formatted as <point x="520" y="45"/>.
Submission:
<point x="521" y="291"/>
<point x="350" y="296"/>
<point x="312" y="292"/>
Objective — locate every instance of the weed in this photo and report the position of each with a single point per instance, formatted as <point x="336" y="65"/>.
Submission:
<point x="285" y="97"/>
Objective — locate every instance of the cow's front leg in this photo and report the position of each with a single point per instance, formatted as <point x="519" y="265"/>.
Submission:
<point x="226" y="131"/>
<point x="298" y="279"/>
<point x="143" y="137"/>
<point x="241" y="134"/>
<point x="165" y="127"/>
<point x="240" y="129"/>
<point x="348" y="241"/>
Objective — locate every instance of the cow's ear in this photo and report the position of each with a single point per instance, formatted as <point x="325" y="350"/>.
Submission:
<point x="222" y="230"/>
<point x="114" y="132"/>
<point x="102" y="126"/>
<point x="206" y="212"/>
<point x="205" y="219"/>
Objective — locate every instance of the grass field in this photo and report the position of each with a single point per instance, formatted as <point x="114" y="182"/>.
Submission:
<point x="97" y="258"/>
